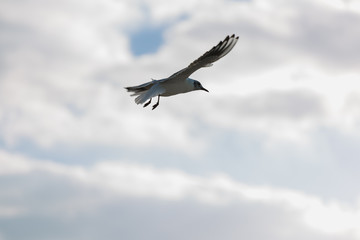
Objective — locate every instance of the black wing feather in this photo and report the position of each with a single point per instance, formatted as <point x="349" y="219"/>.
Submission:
<point x="214" y="54"/>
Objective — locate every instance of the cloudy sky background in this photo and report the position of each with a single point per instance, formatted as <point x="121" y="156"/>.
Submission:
<point x="272" y="152"/>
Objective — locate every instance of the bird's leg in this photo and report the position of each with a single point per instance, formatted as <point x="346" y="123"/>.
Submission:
<point x="157" y="104"/>
<point x="147" y="103"/>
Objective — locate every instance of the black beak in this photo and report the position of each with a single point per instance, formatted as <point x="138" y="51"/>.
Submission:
<point x="202" y="88"/>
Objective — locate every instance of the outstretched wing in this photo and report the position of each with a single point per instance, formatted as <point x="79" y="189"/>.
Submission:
<point x="206" y="60"/>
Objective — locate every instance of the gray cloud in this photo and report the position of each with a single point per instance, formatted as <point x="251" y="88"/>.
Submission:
<point x="271" y="38"/>
<point x="293" y="104"/>
<point x="331" y="39"/>
<point x="62" y="70"/>
<point x="57" y="208"/>
<point x="139" y="219"/>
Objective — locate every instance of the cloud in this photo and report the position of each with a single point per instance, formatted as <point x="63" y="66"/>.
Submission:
<point x="115" y="179"/>
<point x="291" y="80"/>
<point x="296" y="105"/>
<point x="332" y="44"/>
<point x="63" y="81"/>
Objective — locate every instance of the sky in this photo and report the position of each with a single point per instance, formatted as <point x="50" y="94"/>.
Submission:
<point x="271" y="152"/>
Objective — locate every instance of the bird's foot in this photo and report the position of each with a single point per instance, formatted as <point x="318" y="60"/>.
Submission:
<point x="146" y="104"/>
<point x="157" y="104"/>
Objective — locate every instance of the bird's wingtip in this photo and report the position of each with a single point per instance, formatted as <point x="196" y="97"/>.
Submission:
<point x="234" y="36"/>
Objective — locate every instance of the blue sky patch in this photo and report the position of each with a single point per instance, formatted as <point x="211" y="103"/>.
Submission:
<point x="147" y="40"/>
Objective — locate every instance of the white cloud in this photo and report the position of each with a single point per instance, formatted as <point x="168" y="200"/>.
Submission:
<point x="294" y="71"/>
<point x="139" y="181"/>
<point x="64" y="79"/>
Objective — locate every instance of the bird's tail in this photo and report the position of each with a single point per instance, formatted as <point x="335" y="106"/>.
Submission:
<point x="140" y="88"/>
<point x="140" y="91"/>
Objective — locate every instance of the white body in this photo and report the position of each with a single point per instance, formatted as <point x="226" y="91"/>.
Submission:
<point x="176" y="87"/>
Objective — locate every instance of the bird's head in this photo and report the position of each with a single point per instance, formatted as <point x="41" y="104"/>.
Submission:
<point x="197" y="85"/>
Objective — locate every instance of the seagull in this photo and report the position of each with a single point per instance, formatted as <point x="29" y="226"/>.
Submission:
<point x="180" y="82"/>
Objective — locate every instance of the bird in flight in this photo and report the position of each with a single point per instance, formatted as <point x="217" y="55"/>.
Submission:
<point x="180" y="82"/>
